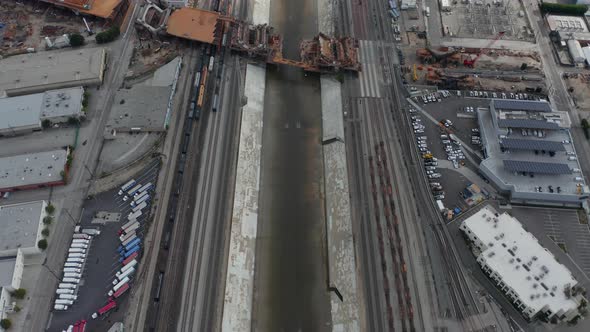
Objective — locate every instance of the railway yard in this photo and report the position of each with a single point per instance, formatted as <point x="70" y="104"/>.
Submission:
<point x="270" y="165"/>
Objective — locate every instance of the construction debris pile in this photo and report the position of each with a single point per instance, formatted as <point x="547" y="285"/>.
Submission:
<point x="332" y="54"/>
<point x="321" y="54"/>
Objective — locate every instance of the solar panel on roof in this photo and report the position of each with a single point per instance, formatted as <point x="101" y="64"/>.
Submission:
<point x="536" y="167"/>
<point x="529" y="144"/>
<point x="522" y="105"/>
<point x="527" y="123"/>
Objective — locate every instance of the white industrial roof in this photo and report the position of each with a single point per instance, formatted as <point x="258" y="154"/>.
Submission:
<point x="30" y="110"/>
<point x="523" y="264"/>
<point x="19" y="225"/>
<point x="32" y="169"/>
<point x="575" y="50"/>
<point x="7" y="266"/>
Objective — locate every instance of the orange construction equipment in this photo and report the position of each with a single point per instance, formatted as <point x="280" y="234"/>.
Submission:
<point x="471" y="62"/>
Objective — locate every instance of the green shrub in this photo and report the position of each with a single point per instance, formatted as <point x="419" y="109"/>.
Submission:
<point x="5" y="323"/>
<point x="19" y="293"/>
<point x="45" y="232"/>
<point x="76" y="40"/>
<point x="108" y="35"/>
<point x="586" y="128"/>
<point x="557" y="8"/>
<point x="47" y="220"/>
<point x="46" y="123"/>
<point x="42" y="244"/>
<point x="50" y="209"/>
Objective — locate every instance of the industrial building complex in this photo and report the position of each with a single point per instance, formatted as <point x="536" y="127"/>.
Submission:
<point x="23" y="114"/>
<point x="528" y="153"/>
<point x="11" y="274"/>
<point x="530" y="276"/>
<point x="21" y="227"/>
<point x="33" y="170"/>
<point x="39" y="72"/>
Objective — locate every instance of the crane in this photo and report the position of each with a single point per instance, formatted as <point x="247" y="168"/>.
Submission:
<point x="471" y="62"/>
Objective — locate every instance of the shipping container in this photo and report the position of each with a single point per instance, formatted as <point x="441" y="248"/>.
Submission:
<point x="134" y="215"/>
<point x="91" y="231"/>
<point x="120" y="291"/>
<point x="131" y="251"/>
<point x="127" y="274"/>
<point x="77" y="250"/>
<point x="131" y="228"/>
<point x="68" y="297"/>
<point x="147" y="187"/>
<point x="140" y="200"/>
<point x="139" y="195"/>
<point x="107" y="307"/>
<point x="64" y="302"/>
<point x="124" y="237"/>
<point x="82" y="236"/>
<point x="120" y="283"/>
<point x="72" y="275"/>
<point x="139" y="207"/>
<point x="126" y="186"/>
<point x="129" y="259"/>
<point x="129" y="240"/>
<point x="133" y="190"/>
<point x="66" y="285"/>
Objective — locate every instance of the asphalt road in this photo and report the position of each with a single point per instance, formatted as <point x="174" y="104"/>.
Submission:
<point x="71" y="196"/>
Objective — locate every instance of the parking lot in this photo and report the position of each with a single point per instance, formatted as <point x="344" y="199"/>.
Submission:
<point x="440" y="126"/>
<point x="102" y="260"/>
<point x="559" y="228"/>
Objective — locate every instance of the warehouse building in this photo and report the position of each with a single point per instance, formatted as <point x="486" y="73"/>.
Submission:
<point x="530" y="276"/>
<point x="529" y="155"/>
<point x="23" y="114"/>
<point x="576" y="52"/>
<point x="33" y="170"/>
<point x="40" y="72"/>
<point x="11" y="275"/>
<point x="21" y="227"/>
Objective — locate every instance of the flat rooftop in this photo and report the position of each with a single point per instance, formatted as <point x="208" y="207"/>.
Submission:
<point x="39" y="72"/>
<point x="99" y="8"/>
<point x="20" y="224"/>
<point x="548" y="154"/>
<point x="566" y="23"/>
<point x="7" y="266"/>
<point x="30" y="110"/>
<point x="21" y="111"/>
<point x="523" y="264"/>
<point x="194" y="24"/>
<point x="32" y="169"/>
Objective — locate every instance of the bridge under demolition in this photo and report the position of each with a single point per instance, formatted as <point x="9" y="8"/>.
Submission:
<point x="321" y="54"/>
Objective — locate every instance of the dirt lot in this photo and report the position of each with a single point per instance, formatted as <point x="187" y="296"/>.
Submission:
<point x="484" y="19"/>
<point x="581" y="90"/>
<point x="28" y="22"/>
<point x="150" y="54"/>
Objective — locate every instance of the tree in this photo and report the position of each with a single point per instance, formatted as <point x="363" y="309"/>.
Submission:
<point x="45" y="232"/>
<point x="19" y="293"/>
<point x="5" y="323"/>
<point x="76" y="40"/>
<point x="50" y="209"/>
<point x="46" y="123"/>
<point x="42" y="244"/>
<point x="524" y="66"/>
<point x="586" y="128"/>
<point x="557" y="8"/>
<point x="108" y="35"/>
<point x="72" y="120"/>
<point x="47" y="220"/>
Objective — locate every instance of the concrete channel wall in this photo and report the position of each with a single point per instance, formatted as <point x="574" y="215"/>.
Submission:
<point x="237" y="307"/>
<point x="342" y="279"/>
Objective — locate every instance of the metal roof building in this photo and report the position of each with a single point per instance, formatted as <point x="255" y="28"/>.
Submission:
<point x="575" y="50"/>
<point x="39" y="72"/>
<point x="23" y="114"/>
<point x="528" y="154"/>
<point x="33" y="170"/>
<point x="21" y="226"/>
<point x="529" y="275"/>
